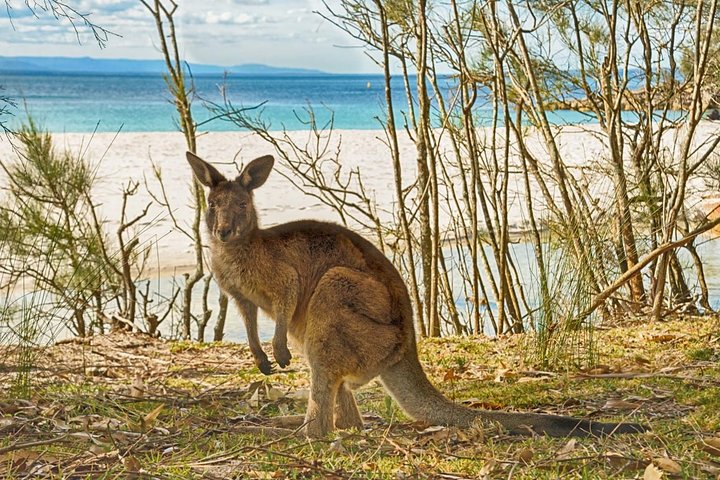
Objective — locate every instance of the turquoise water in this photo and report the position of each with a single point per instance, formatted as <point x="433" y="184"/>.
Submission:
<point x="141" y="103"/>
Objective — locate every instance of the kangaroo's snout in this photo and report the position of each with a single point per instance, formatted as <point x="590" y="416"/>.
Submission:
<point x="223" y="233"/>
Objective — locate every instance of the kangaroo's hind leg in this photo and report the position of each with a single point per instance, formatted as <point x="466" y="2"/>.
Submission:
<point x="347" y="414"/>
<point x="348" y="337"/>
<point x="323" y="391"/>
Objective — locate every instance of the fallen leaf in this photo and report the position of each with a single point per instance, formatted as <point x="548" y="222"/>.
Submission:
<point x="488" y="468"/>
<point x="599" y="370"/>
<point x="432" y="429"/>
<point x="531" y="379"/>
<point x="131" y="464"/>
<point x="8" y="424"/>
<point x="567" y="449"/>
<point x="254" y="386"/>
<point x="711" y="446"/>
<point x="301" y="394"/>
<point x="435" y="433"/>
<point x="104" y="424"/>
<point x="624" y="462"/>
<point x="652" y="473"/>
<point x="149" y="419"/>
<point x="254" y="400"/>
<point x="620" y="404"/>
<point x="125" y="436"/>
<point x="711" y="470"/>
<point x="502" y="374"/>
<point x="667" y="465"/>
<point x="273" y="393"/>
<point x="96" y="449"/>
<point x="714" y="441"/>
<point x="667" y="337"/>
<point x="137" y="389"/>
<point x="169" y="450"/>
<point x="337" y="446"/>
<point x="59" y="424"/>
<point x="25" y="461"/>
<point x="525" y="455"/>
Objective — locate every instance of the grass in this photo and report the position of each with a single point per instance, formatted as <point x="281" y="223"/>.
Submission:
<point x="131" y="405"/>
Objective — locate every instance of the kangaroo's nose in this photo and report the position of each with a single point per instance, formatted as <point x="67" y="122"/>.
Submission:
<point x="224" y="233"/>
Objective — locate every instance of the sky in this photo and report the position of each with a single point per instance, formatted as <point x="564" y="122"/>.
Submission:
<point x="285" y="33"/>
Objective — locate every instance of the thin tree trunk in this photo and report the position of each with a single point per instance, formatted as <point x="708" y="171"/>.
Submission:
<point x="222" y="315"/>
<point x="397" y="171"/>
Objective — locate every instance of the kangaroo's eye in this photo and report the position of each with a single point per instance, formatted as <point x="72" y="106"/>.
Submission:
<point x="211" y="204"/>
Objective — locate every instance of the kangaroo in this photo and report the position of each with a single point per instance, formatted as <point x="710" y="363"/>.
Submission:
<point x="344" y="305"/>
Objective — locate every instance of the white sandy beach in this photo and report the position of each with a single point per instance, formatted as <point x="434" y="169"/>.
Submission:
<point x="127" y="156"/>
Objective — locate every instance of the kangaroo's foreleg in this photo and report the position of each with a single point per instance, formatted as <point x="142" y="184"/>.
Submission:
<point x="284" y="305"/>
<point x="280" y="350"/>
<point x="248" y="311"/>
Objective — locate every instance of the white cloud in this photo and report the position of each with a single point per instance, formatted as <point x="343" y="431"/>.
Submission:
<point x="103" y="6"/>
<point x="246" y="2"/>
<point x="220" y="18"/>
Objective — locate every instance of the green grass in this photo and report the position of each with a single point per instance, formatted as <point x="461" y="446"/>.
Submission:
<point x="704" y="354"/>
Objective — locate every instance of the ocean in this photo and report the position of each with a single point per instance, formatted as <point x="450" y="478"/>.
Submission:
<point x="141" y="103"/>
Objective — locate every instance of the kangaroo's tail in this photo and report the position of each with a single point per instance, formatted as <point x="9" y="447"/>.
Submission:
<point x="407" y="383"/>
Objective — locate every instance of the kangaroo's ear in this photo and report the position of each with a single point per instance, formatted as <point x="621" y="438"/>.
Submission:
<point x="205" y="173"/>
<point x="256" y="172"/>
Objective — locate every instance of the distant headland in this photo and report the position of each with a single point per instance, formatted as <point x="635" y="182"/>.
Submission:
<point x="89" y="65"/>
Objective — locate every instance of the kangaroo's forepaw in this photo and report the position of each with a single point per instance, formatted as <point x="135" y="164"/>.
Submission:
<point x="282" y="355"/>
<point x="266" y="366"/>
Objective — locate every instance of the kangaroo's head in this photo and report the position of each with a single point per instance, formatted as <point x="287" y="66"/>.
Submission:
<point x="231" y="214"/>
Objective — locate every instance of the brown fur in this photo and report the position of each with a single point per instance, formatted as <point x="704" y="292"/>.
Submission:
<point x="343" y="303"/>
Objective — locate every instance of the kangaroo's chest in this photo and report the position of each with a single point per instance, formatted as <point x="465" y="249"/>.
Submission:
<point x="240" y="278"/>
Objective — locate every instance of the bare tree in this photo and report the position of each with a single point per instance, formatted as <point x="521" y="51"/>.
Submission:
<point x="54" y="237"/>
<point x="181" y="88"/>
